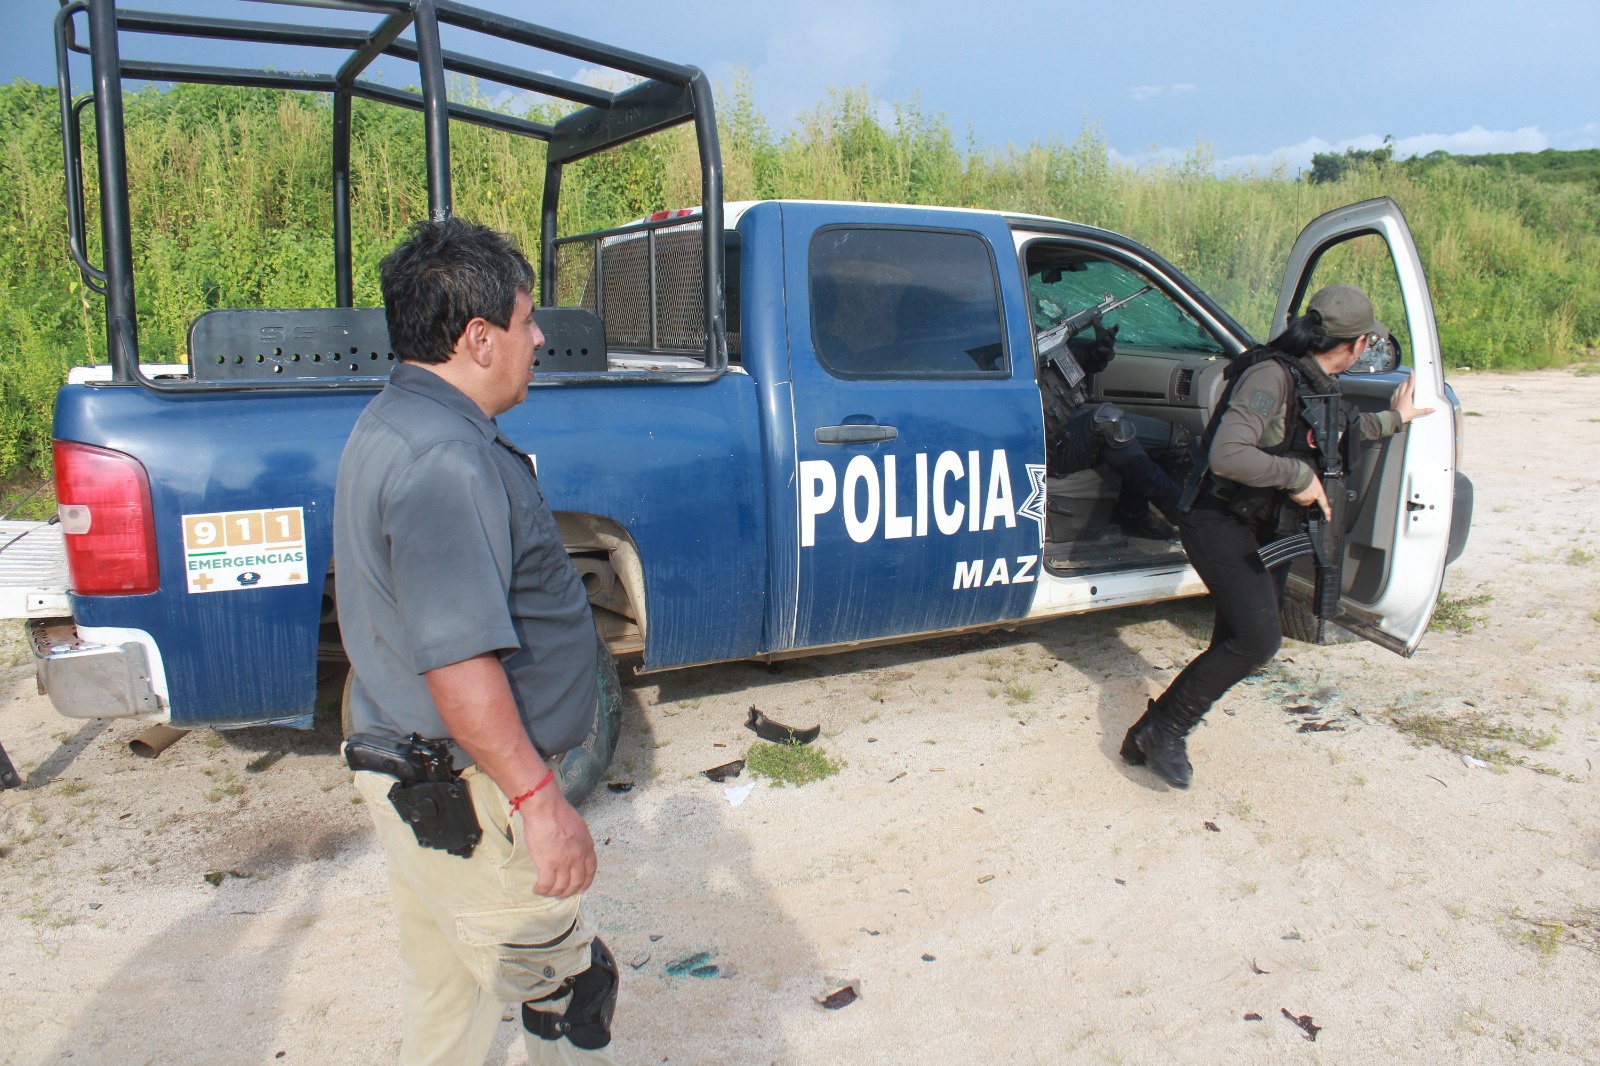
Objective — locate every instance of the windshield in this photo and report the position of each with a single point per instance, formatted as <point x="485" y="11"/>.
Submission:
<point x="1058" y="288"/>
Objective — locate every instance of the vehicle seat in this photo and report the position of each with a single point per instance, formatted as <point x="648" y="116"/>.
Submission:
<point x="1079" y="505"/>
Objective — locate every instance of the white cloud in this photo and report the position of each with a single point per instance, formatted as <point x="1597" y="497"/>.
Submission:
<point x="1145" y="92"/>
<point x="1475" y="141"/>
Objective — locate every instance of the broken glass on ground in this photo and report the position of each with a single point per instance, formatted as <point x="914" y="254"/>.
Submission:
<point x="697" y="965"/>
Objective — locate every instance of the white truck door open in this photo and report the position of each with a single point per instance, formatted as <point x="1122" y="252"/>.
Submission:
<point x="1396" y="552"/>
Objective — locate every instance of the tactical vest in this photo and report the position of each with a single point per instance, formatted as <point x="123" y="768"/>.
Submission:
<point x="1264" y="506"/>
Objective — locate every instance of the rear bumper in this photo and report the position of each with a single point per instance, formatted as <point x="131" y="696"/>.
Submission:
<point x="88" y="680"/>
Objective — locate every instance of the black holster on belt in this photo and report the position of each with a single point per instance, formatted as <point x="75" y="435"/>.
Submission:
<point x="428" y="794"/>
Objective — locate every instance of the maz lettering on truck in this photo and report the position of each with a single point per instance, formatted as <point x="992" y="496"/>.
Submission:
<point x="953" y="493"/>
<point x="971" y="575"/>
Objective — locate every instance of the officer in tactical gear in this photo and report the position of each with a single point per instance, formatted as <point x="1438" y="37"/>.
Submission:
<point x="1262" y="475"/>
<point x="474" y="662"/>
<point x="1081" y="435"/>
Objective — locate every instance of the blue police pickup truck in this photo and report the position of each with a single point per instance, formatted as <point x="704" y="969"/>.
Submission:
<point x="766" y="429"/>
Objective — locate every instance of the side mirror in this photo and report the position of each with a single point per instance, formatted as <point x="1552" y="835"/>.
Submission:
<point x="1381" y="357"/>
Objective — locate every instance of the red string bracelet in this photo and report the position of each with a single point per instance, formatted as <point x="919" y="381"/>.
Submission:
<point x="548" y="777"/>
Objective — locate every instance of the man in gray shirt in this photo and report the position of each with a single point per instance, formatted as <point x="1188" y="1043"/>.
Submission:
<point x="465" y="622"/>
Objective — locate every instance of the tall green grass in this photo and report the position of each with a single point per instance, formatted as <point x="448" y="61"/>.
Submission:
<point x="231" y="202"/>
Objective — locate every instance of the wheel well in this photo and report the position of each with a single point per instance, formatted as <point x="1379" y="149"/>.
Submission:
<point x="607" y="561"/>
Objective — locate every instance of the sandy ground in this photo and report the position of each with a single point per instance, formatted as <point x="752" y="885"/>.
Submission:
<point x="1001" y="886"/>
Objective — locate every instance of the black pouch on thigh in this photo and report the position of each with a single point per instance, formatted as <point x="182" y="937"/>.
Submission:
<point x="586" y="1021"/>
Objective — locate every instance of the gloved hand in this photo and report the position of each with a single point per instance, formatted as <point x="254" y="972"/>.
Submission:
<point x="1095" y="356"/>
<point x="1105" y="340"/>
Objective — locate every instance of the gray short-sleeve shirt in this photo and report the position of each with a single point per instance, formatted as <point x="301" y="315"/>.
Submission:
<point x="444" y="549"/>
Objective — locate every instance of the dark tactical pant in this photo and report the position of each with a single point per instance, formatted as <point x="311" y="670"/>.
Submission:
<point x="1142" y="480"/>
<point x="1247" y="629"/>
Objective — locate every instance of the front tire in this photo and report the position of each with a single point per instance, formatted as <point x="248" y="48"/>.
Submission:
<point x="580" y="770"/>
<point x="1300" y="624"/>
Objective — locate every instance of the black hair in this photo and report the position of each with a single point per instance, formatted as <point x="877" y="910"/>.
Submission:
<point x="1306" y="336"/>
<point x="445" y="273"/>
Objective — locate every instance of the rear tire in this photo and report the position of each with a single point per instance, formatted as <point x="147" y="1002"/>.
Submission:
<point x="580" y="770"/>
<point x="1300" y="624"/>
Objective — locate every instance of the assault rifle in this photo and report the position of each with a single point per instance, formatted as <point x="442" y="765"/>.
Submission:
<point x="1053" y="351"/>
<point x="1060" y="374"/>
<point x="1323" y="538"/>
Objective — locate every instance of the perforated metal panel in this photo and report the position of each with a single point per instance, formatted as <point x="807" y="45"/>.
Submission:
<point x="644" y="309"/>
<point x="680" y="305"/>
<point x="574" y="341"/>
<point x="625" y="292"/>
<point x="353" y="343"/>
<point x="319" y="342"/>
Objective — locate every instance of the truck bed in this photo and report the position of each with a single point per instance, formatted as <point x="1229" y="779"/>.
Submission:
<point x="33" y="570"/>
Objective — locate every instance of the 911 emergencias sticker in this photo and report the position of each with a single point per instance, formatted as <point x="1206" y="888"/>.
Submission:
<point x="238" y="550"/>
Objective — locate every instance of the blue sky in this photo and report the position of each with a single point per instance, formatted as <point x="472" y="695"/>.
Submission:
<point x="1261" y="82"/>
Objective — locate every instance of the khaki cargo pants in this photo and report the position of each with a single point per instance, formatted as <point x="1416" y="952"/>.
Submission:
<point x="474" y="937"/>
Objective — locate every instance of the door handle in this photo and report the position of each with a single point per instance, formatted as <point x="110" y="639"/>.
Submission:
<point x="868" y="434"/>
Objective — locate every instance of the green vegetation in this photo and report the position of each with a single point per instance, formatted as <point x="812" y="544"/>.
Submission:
<point x="790" y="763"/>
<point x="1331" y="166"/>
<point x="1546" y="935"/>
<point x="1454" y="613"/>
<point x="1471" y="733"/>
<point x="1019" y="691"/>
<point x="231" y="204"/>
<point x="1579" y="167"/>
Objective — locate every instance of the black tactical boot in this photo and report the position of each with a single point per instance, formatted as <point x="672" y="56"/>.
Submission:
<point x="1162" y="744"/>
<point x="1130" y="751"/>
<point x="1157" y="740"/>
<point x="1140" y="521"/>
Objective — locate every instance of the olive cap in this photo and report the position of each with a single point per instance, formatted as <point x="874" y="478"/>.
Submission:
<point x="1343" y="311"/>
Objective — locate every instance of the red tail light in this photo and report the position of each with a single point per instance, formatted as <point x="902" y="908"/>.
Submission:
<point x="103" y="498"/>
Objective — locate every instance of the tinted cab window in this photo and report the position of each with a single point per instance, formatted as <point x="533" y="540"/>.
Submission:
<point x="888" y="303"/>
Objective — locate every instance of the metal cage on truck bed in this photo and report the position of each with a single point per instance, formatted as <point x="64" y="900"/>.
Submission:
<point x="345" y="346"/>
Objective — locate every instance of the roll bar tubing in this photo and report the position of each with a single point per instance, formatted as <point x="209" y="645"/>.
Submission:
<point x="669" y="95"/>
